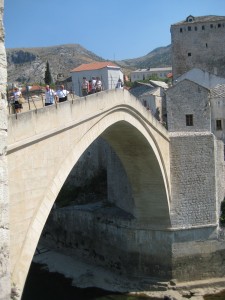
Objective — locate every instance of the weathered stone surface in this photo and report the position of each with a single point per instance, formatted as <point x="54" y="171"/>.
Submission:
<point x="198" y="44"/>
<point x="4" y="199"/>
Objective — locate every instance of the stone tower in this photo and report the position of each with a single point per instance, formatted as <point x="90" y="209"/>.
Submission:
<point x="5" y="288"/>
<point x="198" y="42"/>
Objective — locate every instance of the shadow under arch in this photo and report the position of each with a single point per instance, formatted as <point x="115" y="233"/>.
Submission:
<point x="151" y="205"/>
<point x="139" y="155"/>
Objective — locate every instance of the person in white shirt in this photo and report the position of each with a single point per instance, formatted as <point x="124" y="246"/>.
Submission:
<point x="119" y="84"/>
<point x="49" y="96"/>
<point x="98" y="85"/>
<point x="15" y="98"/>
<point x="93" y="83"/>
<point x="61" y="94"/>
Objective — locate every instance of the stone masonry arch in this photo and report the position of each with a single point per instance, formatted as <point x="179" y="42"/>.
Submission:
<point x="46" y="155"/>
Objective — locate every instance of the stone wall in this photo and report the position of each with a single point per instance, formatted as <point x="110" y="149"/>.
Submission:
<point x="85" y="174"/>
<point x="195" y="47"/>
<point x="4" y="198"/>
<point x="188" y="98"/>
<point x="108" y="237"/>
<point x="194" y="186"/>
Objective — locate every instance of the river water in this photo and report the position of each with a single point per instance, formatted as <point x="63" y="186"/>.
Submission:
<point x="42" y="285"/>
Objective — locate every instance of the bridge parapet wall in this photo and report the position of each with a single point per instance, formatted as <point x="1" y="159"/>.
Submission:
<point x="49" y="119"/>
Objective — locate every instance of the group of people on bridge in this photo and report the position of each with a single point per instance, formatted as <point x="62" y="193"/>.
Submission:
<point x="51" y="96"/>
<point x="92" y="86"/>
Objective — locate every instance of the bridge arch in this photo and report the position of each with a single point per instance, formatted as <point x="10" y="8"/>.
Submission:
<point x="136" y="143"/>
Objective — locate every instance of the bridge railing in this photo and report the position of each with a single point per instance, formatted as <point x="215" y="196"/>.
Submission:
<point x="62" y="115"/>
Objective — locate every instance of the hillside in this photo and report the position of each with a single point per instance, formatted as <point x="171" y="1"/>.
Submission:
<point x="28" y="64"/>
<point x="159" y="57"/>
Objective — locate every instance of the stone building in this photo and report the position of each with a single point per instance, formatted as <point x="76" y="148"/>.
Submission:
<point x="217" y="104"/>
<point x="201" y="77"/>
<point x="188" y="107"/>
<point x="198" y="42"/>
<point x="152" y="96"/>
<point x="196" y="103"/>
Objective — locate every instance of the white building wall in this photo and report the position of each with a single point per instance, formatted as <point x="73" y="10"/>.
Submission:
<point x="145" y="73"/>
<point x="109" y="77"/>
<point x="113" y="77"/>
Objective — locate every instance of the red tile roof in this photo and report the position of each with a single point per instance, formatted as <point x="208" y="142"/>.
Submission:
<point x="94" y="66"/>
<point x="169" y="75"/>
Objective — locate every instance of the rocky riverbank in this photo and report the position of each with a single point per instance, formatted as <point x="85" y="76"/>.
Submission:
<point x="85" y="275"/>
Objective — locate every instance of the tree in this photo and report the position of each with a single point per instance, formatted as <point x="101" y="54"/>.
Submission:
<point x="48" y="76"/>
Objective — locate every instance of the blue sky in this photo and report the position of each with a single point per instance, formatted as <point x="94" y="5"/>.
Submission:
<point x="112" y="29"/>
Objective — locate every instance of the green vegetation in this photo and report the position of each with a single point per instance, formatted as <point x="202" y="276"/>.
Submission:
<point x="145" y="80"/>
<point x="222" y="216"/>
<point x="48" y="76"/>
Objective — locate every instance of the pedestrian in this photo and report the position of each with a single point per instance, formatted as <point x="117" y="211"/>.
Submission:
<point x="98" y="85"/>
<point x="61" y="94"/>
<point x="49" y="96"/>
<point x="16" y="100"/>
<point x="93" y="87"/>
<point x="119" y="84"/>
<point x="89" y="87"/>
<point x="84" y="87"/>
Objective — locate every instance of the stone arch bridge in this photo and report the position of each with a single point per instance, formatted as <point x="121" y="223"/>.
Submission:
<point x="44" y="145"/>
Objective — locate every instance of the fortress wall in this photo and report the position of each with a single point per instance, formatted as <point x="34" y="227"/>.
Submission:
<point x="198" y="45"/>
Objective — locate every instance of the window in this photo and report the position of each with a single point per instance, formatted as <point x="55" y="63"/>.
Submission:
<point x="144" y="103"/>
<point x="189" y="120"/>
<point x="189" y="28"/>
<point x="181" y="29"/>
<point x="189" y="53"/>
<point x="211" y="25"/>
<point x="206" y="45"/>
<point x="219" y="25"/>
<point x="203" y="27"/>
<point x="196" y="28"/>
<point x="218" y="124"/>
